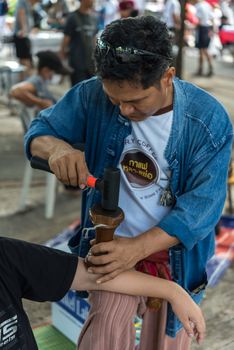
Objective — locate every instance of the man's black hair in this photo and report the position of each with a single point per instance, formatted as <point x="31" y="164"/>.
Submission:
<point x="143" y="33"/>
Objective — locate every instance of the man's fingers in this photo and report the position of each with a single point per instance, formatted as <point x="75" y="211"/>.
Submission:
<point x="109" y="276"/>
<point x="56" y="169"/>
<point x="82" y="170"/>
<point x="92" y="242"/>
<point x="100" y="259"/>
<point x="70" y="167"/>
<point x="109" y="268"/>
<point x="73" y="176"/>
<point x="102" y="248"/>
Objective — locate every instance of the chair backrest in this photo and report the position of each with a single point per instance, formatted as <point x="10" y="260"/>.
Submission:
<point x="27" y="114"/>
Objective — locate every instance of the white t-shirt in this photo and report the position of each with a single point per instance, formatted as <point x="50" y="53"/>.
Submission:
<point x="144" y="175"/>
<point x="172" y="7"/>
<point x="204" y="13"/>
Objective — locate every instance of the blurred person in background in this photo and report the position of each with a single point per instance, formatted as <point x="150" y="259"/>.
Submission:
<point x="215" y="46"/>
<point x="24" y="24"/>
<point x="140" y="5"/>
<point x="57" y="11"/>
<point x="227" y="9"/>
<point x="3" y="13"/>
<point x="127" y="8"/>
<point x="107" y="12"/>
<point x="80" y="32"/>
<point x="204" y="31"/>
<point x="191" y="22"/>
<point x="34" y="91"/>
<point x="171" y="16"/>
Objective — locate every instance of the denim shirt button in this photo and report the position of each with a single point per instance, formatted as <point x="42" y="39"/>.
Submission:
<point x="110" y="152"/>
<point x="123" y="120"/>
<point x="173" y="164"/>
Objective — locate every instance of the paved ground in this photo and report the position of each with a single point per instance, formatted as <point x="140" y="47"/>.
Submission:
<point x="31" y="224"/>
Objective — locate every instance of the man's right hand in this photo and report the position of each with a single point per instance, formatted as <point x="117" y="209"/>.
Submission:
<point x="68" y="164"/>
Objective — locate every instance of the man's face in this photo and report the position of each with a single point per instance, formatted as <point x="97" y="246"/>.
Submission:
<point x="134" y="102"/>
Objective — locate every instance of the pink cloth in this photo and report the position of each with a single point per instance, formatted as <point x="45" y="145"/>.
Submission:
<point x="110" y="322"/>
<point x="110" y="325"/>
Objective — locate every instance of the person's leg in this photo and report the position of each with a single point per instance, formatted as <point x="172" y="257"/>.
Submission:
<point x="153" y="334"/>
<point x="198" y="44"/>
<point x="23" y="53"/>
<point x="110" y="322"/>
<point x="200" y="62"/>
<point x="209" y="60"/>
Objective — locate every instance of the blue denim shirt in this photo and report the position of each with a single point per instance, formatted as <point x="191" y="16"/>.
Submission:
<point x="198" y="153"/>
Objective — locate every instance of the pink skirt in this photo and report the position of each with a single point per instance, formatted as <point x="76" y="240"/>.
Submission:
<point x="110" y="325"/>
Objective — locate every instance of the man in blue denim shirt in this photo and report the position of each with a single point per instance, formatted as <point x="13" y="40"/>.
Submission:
<point x="172" y="143"/>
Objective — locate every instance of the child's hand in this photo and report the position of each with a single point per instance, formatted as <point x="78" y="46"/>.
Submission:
<point x="189" y="313"/>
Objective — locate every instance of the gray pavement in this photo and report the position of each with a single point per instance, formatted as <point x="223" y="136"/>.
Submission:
<point x="32" y="225"/>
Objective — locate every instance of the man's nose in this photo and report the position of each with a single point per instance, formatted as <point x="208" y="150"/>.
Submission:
<point x="126" y="109"/>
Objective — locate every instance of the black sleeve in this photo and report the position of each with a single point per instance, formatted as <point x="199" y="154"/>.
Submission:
<point x="36" y="272"/>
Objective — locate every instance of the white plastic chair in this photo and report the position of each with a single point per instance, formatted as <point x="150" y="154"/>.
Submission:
<point x="26" y="116"/>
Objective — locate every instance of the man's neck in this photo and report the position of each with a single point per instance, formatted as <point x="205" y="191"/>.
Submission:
<point x="168" y="105"/>
<point x="164" y="110"/>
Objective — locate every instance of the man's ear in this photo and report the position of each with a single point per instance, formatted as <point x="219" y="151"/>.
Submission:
<point x="168" y="76"/>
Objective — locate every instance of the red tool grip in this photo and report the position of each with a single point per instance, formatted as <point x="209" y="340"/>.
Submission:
<point x="91" y="181"/>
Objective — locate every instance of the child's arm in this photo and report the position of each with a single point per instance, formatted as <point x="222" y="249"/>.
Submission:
<point x="137" y="283"/>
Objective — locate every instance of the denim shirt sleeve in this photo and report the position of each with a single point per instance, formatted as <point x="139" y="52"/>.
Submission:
<point x="69" y="123"/>
<point x="198" y="208"/>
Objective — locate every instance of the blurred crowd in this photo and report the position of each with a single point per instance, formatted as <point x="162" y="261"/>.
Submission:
<point x="208" y="25"/>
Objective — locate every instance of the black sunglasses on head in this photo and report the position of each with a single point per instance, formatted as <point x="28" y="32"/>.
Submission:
<point x="127" y="54"/>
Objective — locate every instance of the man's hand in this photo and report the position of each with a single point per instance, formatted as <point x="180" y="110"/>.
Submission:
<point x="120" y="255"/>
<point x="69" y="166"/>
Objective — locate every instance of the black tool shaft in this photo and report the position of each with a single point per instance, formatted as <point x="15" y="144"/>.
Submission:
<point x="39" y="163"/>
<point x="110" y="194"/>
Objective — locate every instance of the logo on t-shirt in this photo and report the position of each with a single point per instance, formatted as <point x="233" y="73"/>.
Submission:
<point x="8" y="330"/>
<point x="140" y="169"/>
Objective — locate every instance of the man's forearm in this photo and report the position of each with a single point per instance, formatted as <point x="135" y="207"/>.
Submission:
<point x="155" y="240"/>
<point x="44" y="146"/>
